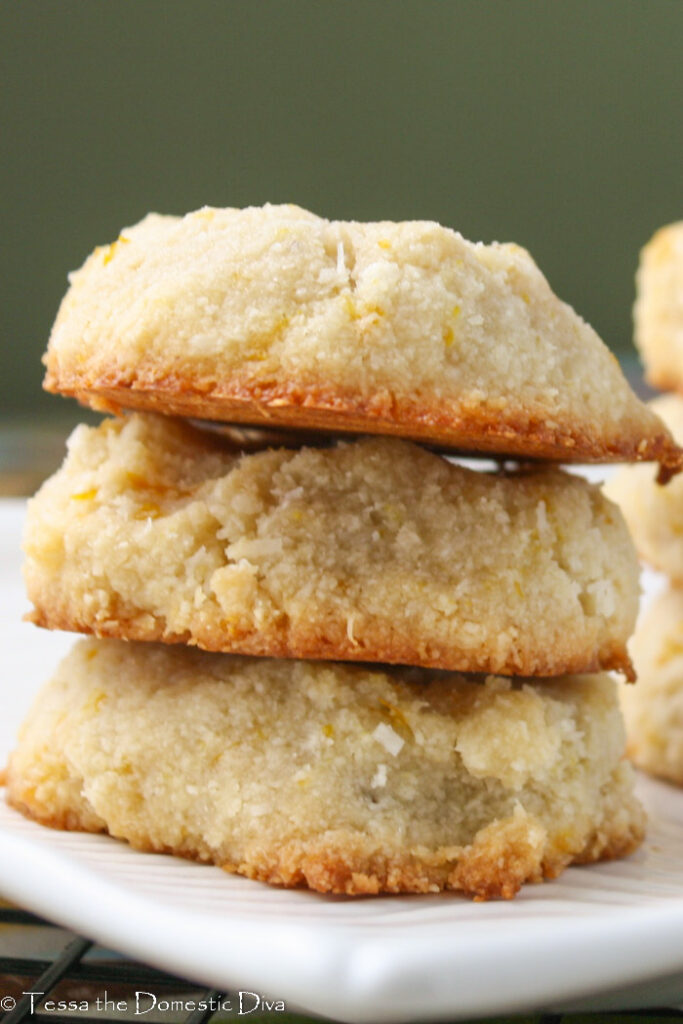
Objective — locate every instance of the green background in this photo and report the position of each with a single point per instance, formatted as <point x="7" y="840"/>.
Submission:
<point x="553" y="123"/>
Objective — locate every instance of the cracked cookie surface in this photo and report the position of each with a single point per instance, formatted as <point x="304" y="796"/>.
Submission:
<point x="272" y="316"/>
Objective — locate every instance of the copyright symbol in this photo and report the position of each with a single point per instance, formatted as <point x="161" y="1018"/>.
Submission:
<point x="8" y="1003"/>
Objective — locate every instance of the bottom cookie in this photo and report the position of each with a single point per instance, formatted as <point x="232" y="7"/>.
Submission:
<point x="343" y="778"/>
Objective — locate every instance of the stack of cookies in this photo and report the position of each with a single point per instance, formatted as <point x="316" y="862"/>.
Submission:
<point x="324" y="734"/>
<point x="654" y="710"/>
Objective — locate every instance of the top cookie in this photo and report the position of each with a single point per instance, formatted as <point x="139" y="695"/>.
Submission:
<point x="275" y="316"/>
<point x="658" y="312"/>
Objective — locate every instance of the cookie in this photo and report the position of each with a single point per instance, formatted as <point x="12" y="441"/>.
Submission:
<point x="342" y="778"/>
<point x="373" y="550"/>
<point x="654" y="514"/>
<point x="654" y="708"/>
<point x="275" y="317"/>
<point x="658" y="311"/>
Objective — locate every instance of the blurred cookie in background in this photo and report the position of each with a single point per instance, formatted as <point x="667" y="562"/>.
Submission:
<point x="658" y="311"/>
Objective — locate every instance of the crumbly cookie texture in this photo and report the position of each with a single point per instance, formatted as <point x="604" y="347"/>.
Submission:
<point x="654" y="514"/>
<point x="654" y="710"/>
<point x="374" y="550"/>
<point x="342" y="778"/>
<point x="274" y="316"/>
<point x="658" y="312"/>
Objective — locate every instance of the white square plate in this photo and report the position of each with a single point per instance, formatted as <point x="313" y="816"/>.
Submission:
<point x="609" y="935"/>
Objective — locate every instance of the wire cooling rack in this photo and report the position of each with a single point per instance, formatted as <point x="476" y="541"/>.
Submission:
<point x="107" y="983"/>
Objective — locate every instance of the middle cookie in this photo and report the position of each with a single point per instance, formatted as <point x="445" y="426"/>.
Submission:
<point x="374" y="550"/>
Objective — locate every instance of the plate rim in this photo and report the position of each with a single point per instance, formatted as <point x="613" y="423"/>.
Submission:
<point x="363" y="978"/>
